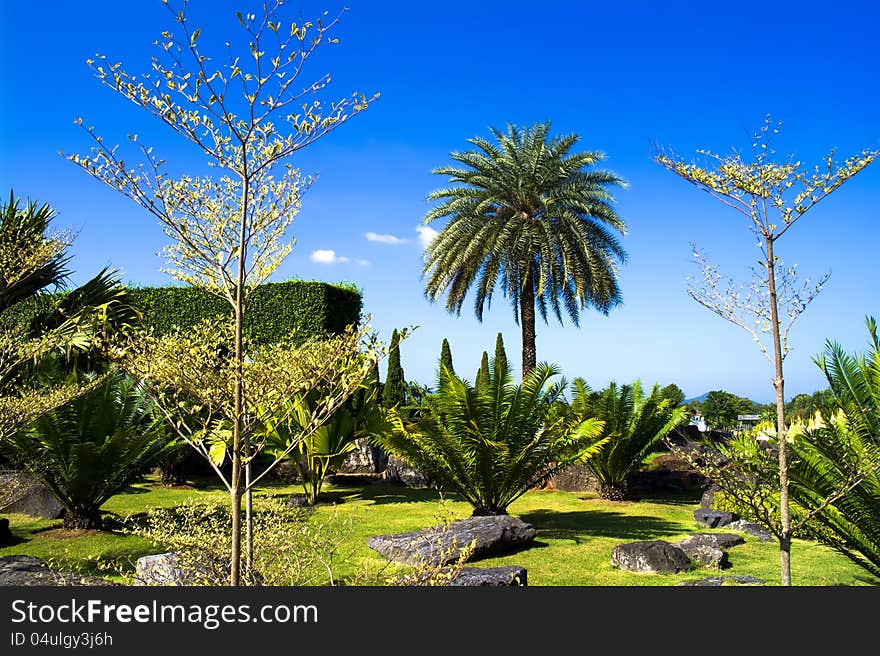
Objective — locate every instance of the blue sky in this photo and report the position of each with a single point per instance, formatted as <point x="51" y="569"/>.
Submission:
<point x="625" y="76"/>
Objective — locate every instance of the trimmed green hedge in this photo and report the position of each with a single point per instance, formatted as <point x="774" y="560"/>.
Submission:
<point x="275" y="308"/>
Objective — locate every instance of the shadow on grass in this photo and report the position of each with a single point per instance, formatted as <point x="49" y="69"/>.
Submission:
<point x="583" y="524"/>
<point x="15" y="539"/>
<point x="382" y="493"/>
<point x="677" y="498"/>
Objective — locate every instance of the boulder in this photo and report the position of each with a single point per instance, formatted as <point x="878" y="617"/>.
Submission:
<point x="31" y="497"/>
<point x="399" y="471"/>
<point x="5" y="533"/>
<point x="171" y="570"/>
<point x="575" y="478"/>
<point x="725" y="580"/>
<point x="511" y="575"/>
<point x="707" y="501"/>
<point x="28" y="570"/>
<point x="705" y="556"/>
<point x="752" y="529"/>
<point x="360" y="460"/>
<point x="714" y="518"/>
<point x="655" y="556"/>
<point x="716" y="540"/>
<point x="440" y="545"/>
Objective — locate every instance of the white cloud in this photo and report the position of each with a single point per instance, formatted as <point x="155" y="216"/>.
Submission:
<point x="363" y="262"/>
<point x="426" y="235"/>
<point x="391" y="240"/>
<point x="327" y="257"/>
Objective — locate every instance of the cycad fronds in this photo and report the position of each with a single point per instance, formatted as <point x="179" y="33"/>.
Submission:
<point x="492" y="441"/>
<point x="633" y="423"/>
<point x="835" y="473"/>
<point x="91" y="448"/>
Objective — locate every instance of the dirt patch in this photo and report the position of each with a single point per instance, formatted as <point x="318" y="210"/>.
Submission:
<point x="63" y="533"/>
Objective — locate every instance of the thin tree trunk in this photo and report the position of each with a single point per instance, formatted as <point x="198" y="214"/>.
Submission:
<point x="527" y="322"/>
<point x="779" y="384"/>
<point x="248" y="517"/>
<point x="238" y="398"/>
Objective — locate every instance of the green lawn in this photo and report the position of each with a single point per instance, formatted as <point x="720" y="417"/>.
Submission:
<point x="576" y="534"/>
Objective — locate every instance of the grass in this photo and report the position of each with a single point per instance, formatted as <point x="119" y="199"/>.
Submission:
<point x="576" y="534"/>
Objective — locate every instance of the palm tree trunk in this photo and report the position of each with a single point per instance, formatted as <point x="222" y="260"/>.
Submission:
<point x="779" y="384"/>
<point x="527" y="322"/>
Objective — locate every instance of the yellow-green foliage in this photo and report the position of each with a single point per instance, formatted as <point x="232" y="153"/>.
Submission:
<point x="290" y="547"/>
<point x="811" y="530"/>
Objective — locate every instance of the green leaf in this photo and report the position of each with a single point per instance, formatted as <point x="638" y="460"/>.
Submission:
<point x="217" y="453"/>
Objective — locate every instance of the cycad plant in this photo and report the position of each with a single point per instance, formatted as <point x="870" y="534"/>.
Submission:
<point x="492" y="441"/>
<point x="92" y="447"/>
<point x="529" y="215"/>
<point x="835" y="473"/>
<point x="634" y="423"/>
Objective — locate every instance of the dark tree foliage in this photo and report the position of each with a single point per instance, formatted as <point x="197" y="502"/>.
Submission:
<point x="394" y="391"/>
<point x="446" y="356"/>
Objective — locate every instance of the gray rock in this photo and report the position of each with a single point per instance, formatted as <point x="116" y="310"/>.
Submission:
<point x="170" y="569"/>
<point x="655" y="556"/>
<point x="725" y="580"/>
<point x="298" y="501"/>
<point x="28" y="570"/>
<point x="576" y="477"/>
<point x="707" y="501"/>
<point x="714" y="518"/>
<point x="752" y="528"/>
<point x="360" y="460"/>
<point x="31" y="497"/>
<point x="511" y="575"/>
<point x="717" y="540"/>
<point x="396" y="470"/>
<point x="705" y="556"/>
<point x="440" y="545"/>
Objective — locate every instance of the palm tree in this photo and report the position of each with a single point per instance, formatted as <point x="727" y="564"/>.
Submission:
<point x="31" y="258"/>
<point x="528" y="212"/>
<point x="492" y="441"/>
<point x="43" y="334"/>
<point x="634" y="424"/>
<point x="36" y="328"/>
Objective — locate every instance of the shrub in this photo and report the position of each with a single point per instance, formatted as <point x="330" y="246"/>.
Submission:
<point x="307" y="308"/>
<point x="92" y="447"/>
<point x="292" y="546"/>
<point x="634" y="423"/>
<point x="491" y="441"/>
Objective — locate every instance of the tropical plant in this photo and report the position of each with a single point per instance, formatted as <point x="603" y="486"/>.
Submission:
<point x="170" y="462"/>
<point x="43" y="339"/>
<point x="528" y="211"/>
<point x="841" y="451"/>
<point x="92" y="447"/>
<point x="492" y="441"/>
<point x="634" y="424"/>
<point x="318" y="453"/>
<point x="35" y="329"/>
